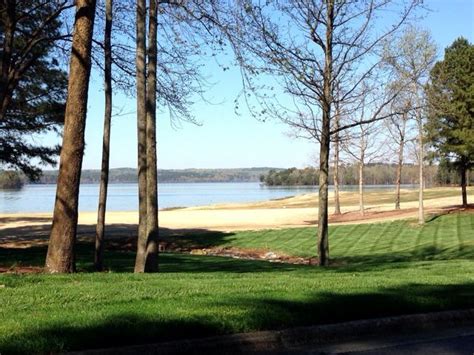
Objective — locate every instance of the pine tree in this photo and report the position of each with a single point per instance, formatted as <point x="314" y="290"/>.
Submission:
<point x="450" y="126"/>
<point x="32" y="83"/>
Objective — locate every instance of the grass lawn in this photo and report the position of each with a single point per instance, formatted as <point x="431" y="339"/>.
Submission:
<point x="383" y="269"/>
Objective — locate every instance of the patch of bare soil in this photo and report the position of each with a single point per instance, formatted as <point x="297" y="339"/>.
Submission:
<point x="355" y="216"/>
<point x="20" y="269"/>
<point x="251" y="254"/>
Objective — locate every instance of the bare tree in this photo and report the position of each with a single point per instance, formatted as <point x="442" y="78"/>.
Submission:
<point x="399" y="132"/>
<point x="104" y="174"/>
<point x="307" y="47"/>
<point x="61" y="256"/>
<point x="365" y="147"/>
<point x="411" y="57"/>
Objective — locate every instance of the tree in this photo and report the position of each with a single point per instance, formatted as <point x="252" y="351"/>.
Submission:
<point x="61" y="256"/>
<point x="104" y="174"/>
<point x="450" y="125"/>
<point x="411" y="56"/>
<point x="365" y="147"/>
<point x="399" y="132"/>
<point x="32" y="83"/>
<point x="11" y="180"/>
<point x="141" y="131"/>
<point x="309" y="48"/>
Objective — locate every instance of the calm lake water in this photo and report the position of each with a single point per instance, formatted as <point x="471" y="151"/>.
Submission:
<point x="123" y="197"/>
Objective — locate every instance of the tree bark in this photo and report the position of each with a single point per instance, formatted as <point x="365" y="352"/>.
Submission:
<point x="361" y="187"/>
<point x="104" y="175"/>
<point x="60" y="256"/>
<point x="323" y="235"/>
<point x="151" y="264"/>
<point x="337" y="204"/>
<point x="401" y="148"/>
<point x="464" y="186"/>
<point x="140" y="260"/>
<point x="421" y="214"/>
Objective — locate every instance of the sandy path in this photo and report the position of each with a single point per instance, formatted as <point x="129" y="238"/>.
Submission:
<point x="240" y="216"/>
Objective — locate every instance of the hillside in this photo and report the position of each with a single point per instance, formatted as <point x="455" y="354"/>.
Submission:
<point x="127" y="175"/>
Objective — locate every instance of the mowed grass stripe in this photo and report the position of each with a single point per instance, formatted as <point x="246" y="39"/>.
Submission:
<point x="402" y="239"/>
<point x="343" y="232"/>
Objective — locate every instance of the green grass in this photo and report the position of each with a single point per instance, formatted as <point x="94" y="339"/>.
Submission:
<point x="442" y="238"/>
<point x="387" y="269"/>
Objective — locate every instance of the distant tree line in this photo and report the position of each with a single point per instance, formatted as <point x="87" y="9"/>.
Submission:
<point x="129" y="175"/>
<point x="11" y="180"/>
<point x="375" y="174"/>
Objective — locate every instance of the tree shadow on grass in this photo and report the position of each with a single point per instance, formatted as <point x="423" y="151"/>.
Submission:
<point x="391" y="260"/>
<point x="245" y="313"/>
<point x="123" y="261"/>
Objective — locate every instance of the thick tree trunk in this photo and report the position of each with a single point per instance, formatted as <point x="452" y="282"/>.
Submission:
<point x="421" y="214"/>
<point x="61" y="257"/>
<point x="401" y="148"/>
<point x="151" y="264"/>
<point x="104" y="175"/>
<point x="323" y="235"/>
<point x="464" y="186"/>
<point x="337" y="204"/>
<point x="140" y="260"/>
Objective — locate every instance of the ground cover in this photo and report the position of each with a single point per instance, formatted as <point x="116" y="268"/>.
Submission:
<point x="381" y="269"/>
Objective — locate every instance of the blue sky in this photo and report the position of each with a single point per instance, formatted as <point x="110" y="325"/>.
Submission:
<point x="225" y="140"/>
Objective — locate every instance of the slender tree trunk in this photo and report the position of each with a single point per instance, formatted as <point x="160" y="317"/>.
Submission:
<point x="151" y="264"/>
<point x="401" y="148"/>
<point x="60" y="256"/>
<point x="337" y="204"/>
<point x="361" y="171"/>
<point x="141" y="136"/>
<point x="361" y="187"/>
<point x="421" y="214"/>
<point x="323" y="235"/>
<point x="464" y="186"/>
<point x="104" y="175"/>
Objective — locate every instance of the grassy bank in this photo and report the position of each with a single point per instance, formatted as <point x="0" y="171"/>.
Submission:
<point x="384" y="269"/>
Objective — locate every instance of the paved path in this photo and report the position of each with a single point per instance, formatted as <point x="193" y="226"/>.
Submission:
<point x="452" y="341"/>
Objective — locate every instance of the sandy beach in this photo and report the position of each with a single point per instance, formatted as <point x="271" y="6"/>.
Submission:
<point x="295" y="211"/>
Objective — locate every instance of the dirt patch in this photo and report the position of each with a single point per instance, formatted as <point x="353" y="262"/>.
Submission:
<point x="252" y="254"/>
<point x="19" y="269"/>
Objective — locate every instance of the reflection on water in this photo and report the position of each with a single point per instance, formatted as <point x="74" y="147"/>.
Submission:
<point x="123" y="197"/>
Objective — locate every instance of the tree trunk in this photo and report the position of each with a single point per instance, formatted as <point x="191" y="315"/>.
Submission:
<point x="337" y="204"/>
<point x="421" y="214"/>
<point x="104" y="175"/>
<point x="361" y="187"/>
<point x="140" y="260"/>
<point x="363" y="147"/>
<point x="323" y="235"/>
<point x="151" y="264"/>
<point x="464" y="186"/>
<point x="398" y="181"/>
<point x="60" y="256"/>
<point x="8" y="19"/>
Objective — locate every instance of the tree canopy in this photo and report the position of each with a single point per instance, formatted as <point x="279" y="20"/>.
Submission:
<point x="32" y="83"/>
<point x="450" y="126"/>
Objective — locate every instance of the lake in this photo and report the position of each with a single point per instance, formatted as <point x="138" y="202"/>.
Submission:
<point x="123" y="197"/>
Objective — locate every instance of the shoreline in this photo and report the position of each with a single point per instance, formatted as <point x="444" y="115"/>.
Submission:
<point x="297" y="211"/>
